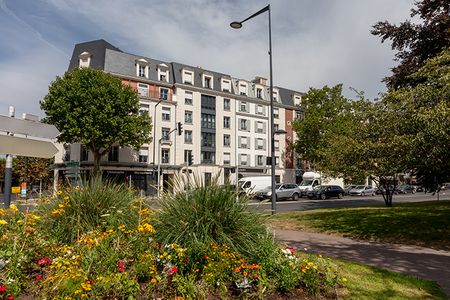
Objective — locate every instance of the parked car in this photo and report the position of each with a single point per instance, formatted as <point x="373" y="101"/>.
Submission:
<point x="362" y="190"/>
<point x="326" y="191"/>
<point x="283" y="191"/>
<point x="405" y="189"/>
<point x="347" y="188"/>
<point x="381" y="190"/>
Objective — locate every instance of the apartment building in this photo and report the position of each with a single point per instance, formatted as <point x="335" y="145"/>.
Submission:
<point x="226" y="122"/>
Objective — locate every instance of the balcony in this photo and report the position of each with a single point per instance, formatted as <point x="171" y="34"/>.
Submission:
<point x="154" y="95"/>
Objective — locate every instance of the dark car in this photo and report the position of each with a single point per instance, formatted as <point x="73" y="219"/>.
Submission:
<point x="326" y="191"/>
<point x="406" y="189"/>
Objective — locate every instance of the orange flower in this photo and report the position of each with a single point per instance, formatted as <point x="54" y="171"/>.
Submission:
<point x="237" y="270"/>
<point x="245" y="273"/>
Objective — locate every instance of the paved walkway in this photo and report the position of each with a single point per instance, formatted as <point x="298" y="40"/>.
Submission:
<point x="418" y="261"/>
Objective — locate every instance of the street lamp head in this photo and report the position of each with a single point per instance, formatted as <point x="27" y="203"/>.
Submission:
<point x="236" y="25"/>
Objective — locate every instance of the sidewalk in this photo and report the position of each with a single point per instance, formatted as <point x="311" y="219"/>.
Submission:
<point x="418" y="261"/>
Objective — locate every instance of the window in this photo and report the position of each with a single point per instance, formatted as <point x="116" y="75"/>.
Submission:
<point x="277" y="145"/>
<point x="259" y="160"/>
<point x="260" y="144"/>
<point x="226" y="158"/>
<point x="208" y="139"/>
<point x="162" y="77"/>
<point x="244" y="142"/>
<point x="142" y="89"/>
<point x="243" y="106"/>
<point x="166" y="113"/>
<point x="226" y="122"/>
<point x="188" y="117"/>
<point x="84" y="153"/>
<point x="165" y="134"/>
<point x="243" y="159"/>
<point x="276" y="127"/>
<point x="113" y="154"/>
<point x="187" y="154"/>
<point x="276" y="113"/>
<point x="208" y="102"/>
<point x="188" y="136"/>
<point x="259" y="93"/>
<point x="244" y="124"/>
<point x="260" y="127"/>
<point x="208" y="179"/>
<point x="260" y="110"/>
<point x="275" y="96"/>
<point x="207" y="82"/>
<point x="188" y="77"/>
<point x="297" y="100"/>
<point x="208" y="157"/>
<point x="85" y="60"/>
<point x="141" y="71"/>
<point x="226" y="86"/>
<point x="298" y="115"/>
<point x="163" y="93"/>
<point x="143" y="154"/>
<point x="165" y="156"/>
<point x="144" y="109"/>
<point x="226" y="140"/>
<point x="208" y="121"/>
<point x="242" y="89"/>
<point x="188" y="98"/>
<point x="226" y="104"/>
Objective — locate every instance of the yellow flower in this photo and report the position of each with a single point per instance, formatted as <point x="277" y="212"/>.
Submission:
<point x="344" y="279"/>
<point x="58" y="212"/>
<point x="2" y="212"/>
<point x="86" y="286"/>
<point x="77" y="187"/>
<point x="13" y="208"/>
<point x="59" y="192"/>
<point x="3" y="222"/>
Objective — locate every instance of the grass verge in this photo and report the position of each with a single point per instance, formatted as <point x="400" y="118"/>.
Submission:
<point x="366" y="282"/>
<point x="423" y="223"/>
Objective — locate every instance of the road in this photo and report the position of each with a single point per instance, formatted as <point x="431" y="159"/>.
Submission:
<point x="348" y="201"/>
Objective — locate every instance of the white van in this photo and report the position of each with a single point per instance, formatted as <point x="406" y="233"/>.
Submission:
<point x="254" y="184"/>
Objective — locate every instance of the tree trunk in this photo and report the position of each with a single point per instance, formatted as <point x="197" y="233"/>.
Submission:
<point x="96" y="172"/>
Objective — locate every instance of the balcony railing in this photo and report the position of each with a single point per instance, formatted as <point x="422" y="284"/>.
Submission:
<point x="155" y="95"/>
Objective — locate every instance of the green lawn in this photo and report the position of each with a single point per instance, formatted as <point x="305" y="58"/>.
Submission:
<point x="423" y="223"/>
<point x="365" y="282"/>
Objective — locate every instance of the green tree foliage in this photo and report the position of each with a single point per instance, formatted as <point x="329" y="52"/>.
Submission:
<point x="94" y="108"/>
<point x="325" y="117"/>
<point x="423" y="112"/>
<point x="415" y="43"/>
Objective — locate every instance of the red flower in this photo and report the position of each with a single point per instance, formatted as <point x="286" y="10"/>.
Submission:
<point x="39" y="277"/>
<point x="121" y="270"/>
<point x="44" y="261"/>
<point x="120" y="264"/>
<point x="172" y="271"/>
<point x="2" y="288"/>
<point x="10" y="297"/>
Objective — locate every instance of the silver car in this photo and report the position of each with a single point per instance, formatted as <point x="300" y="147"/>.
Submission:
<point x="282" y="190"/>
<point x="362" y="190"/>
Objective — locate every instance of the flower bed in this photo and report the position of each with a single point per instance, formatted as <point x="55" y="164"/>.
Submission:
<point x="118" y="260"/>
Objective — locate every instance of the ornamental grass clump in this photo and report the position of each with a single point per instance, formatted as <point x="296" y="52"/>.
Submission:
<point x="76" y="211"/>
<point x="205" y="214"/>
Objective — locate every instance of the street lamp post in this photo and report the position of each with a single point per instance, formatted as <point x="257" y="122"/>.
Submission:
<point x="238" y="25"/>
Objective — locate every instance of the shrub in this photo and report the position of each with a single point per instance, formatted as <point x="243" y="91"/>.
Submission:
<point x="209" y="214"/>
<point x="79" y="210"/>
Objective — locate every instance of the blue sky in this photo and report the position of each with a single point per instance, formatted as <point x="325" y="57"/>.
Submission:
<point x="315" y="42"/>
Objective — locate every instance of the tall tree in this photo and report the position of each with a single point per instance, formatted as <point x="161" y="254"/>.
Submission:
<point x="94" y="108"/>
<point x="416" y="42"/>
<point x="323" y="118"/>
<point x="423" y="112"/>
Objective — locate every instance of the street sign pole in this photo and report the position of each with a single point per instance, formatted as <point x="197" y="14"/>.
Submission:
<point x="8" y="170"/>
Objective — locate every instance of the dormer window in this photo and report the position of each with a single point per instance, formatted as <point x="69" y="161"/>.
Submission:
<point x="163" y="72"/>
<point x="275" y="96"/>
<point x="242" y="89"/>
<point x="207" y="82"/>
<point x="226" y="86"/>
<point x="297" y="100"/>
<point x="259" y="93"/>
<point x="85" y="60"/>
<point x="188" y="77"/>
<point x="141" y="68"/>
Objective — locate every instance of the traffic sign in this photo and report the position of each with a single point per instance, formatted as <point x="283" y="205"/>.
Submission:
<point x="72" y="163"/>
<point x="15" y="189"/>
<point x="28" y="127"/>
<point x="26" y="147"/>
